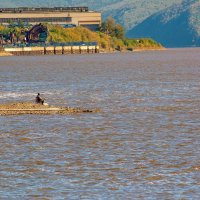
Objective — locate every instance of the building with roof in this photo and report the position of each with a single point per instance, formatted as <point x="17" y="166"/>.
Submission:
<point x="66" y="16"/>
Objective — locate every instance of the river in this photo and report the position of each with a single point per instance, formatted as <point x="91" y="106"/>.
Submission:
<point x="143" y="144"/>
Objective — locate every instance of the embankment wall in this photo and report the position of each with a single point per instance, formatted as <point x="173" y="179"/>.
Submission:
<point x="51" y="50"/>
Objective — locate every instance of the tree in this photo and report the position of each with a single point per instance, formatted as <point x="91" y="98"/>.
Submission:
<point x="17" y="32"/>
<point x="110" y="27"/>
<point x="20" y="24"/>
<point x="119" y="32"/>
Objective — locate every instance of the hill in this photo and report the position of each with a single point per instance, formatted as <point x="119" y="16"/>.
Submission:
<point x="106" y="42"/>
<point x="177" y="26"/>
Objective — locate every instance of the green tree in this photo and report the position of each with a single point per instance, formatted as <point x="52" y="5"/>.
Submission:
<point x="20" y="24"/>
<point x="110" y="27"/>
<point x="119" y="32"/>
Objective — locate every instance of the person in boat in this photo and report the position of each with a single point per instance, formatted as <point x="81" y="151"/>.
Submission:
<point x="38" y="99"/>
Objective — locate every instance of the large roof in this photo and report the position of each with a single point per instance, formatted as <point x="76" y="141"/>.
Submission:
<point x="44" y="9"/>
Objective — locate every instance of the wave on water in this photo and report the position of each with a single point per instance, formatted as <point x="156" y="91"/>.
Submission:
<point x="19" y="95"/>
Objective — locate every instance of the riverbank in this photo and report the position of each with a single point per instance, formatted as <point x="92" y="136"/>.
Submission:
<point x="149" y="49"/>
<point x="106" y="42"/>
<point x="76" y="51"/>
<point x="59" y="36"/>
<point x="28" y="108"/>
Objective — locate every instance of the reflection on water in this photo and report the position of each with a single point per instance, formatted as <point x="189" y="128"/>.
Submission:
<point x="143" y="145"/>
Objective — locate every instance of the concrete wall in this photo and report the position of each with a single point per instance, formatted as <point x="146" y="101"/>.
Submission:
<point x="51" y="50"/>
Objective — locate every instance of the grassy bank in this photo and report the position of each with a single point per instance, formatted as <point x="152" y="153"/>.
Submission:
<point x="106" y="42"/>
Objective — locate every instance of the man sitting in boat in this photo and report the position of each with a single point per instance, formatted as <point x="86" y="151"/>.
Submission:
<point x="39" y="100"/>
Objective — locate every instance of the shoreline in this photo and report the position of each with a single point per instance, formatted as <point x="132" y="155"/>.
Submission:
<point x="102" y="51"/>
<point x="149" y="49"/>
<point x="134" y="50"/>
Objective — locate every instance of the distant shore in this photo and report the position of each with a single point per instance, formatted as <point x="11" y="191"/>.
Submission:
<point x="135" y="50"/>
<point x="149" y="49"/>
<point x="58" y="37"/>
<point x="4" y="54"/>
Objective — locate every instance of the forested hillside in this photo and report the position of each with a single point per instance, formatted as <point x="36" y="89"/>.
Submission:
<point x="177" y="26"/>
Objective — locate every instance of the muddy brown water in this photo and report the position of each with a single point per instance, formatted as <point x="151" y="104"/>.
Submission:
<point x="145" y="144"/>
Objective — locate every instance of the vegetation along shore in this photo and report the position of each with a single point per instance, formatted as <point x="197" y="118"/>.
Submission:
<point x="110" y="37"/>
